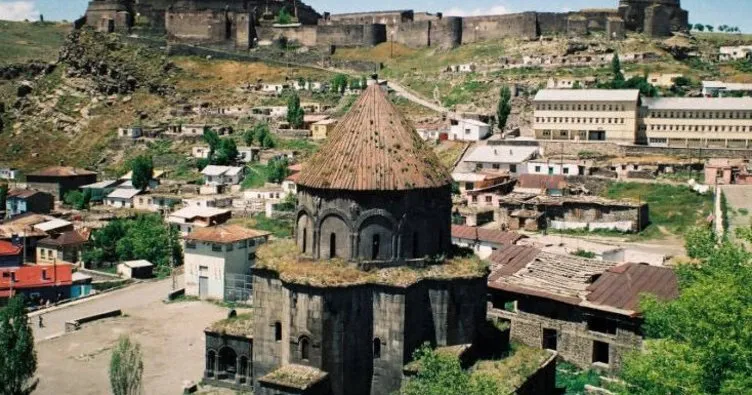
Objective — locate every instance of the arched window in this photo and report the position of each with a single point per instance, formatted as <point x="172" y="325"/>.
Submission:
<point x="375" y="246"/>
<point x="304" y="348"/>
<point x="332" y="245"/>
<point x="415" y="245"/>
<point x="376" y="348"/>
<point x="305" y="240"/>
<point x="278" y="331"/>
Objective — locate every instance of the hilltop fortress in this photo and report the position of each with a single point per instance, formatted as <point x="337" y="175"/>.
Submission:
<point x="244" y="23"/>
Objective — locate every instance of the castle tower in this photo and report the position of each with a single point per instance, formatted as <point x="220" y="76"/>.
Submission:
<point x="657" y="16"/>
<point x="374" y="194"/>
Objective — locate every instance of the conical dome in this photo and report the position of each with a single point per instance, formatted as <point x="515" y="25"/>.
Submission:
<point x="374" y="148"/>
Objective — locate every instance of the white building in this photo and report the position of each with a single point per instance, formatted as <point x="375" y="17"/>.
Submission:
<point x="121" y="198"/>
<point x="223" y="175"/>
<point x="200" y="152"/>
<point x="220" y="201"/>
<point x="189" y="218"/>
<point x="132" y="132"/>
<point x="217" y="254"/>
<point x="553" y="166"/>
<point x="721" y="89"/>
<point x="735" y="53"/>
<point x="468" y="130"/>
<point x="509" y="158"/>
<point x="248" y="154"/>
<point x="482" y="241"/>
<point x="8" y="173"/>
<point x="260" y="199"/>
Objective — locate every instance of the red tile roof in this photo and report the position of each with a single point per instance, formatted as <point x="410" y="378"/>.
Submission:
<point x="621" y="286"/>
<point x="62" y="171"/>
<point x="9" y="249"/>
<point x="486" y="235"/>
<point x="374" y="148"/>
<point x="225" y="234"/>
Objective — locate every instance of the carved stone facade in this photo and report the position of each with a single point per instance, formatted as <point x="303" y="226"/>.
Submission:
<point x="372" y="230"/>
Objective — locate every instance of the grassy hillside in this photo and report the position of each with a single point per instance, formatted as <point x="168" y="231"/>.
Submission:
<point x="24" y="41"/>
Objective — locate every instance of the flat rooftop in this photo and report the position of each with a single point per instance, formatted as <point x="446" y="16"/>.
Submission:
<point x="588" y="95"/>
<point x="699" y="103"/>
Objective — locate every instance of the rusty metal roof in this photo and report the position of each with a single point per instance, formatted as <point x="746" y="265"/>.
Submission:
<point x="620" y="287"/>
<point x="225" y="234"/>
<point x="487" y="235"/>
<point x="374" y="148"/>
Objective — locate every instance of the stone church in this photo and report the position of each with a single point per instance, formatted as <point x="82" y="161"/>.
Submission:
<point x="369" y="276"/>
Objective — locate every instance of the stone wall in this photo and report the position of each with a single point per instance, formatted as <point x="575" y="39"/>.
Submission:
<point x="206" y="26"/>
<point x="494" y="27"/>
<point x="552" y="23"/>
<point x="344" y="324"/>
<point x="442" y="33"/>
<point x="574" y="339"/>
<point x="657" y="21"/>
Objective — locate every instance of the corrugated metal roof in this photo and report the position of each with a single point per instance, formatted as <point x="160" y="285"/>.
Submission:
<point x="71" y="237"/>
<point x="195" y="211"/>
<point x="123" y="193"/>
<point x="52" y="224"/>
<point x="500" y="154"/>
<point x="588" y="95"/>
<point x="22" y="193"/>
<point x="621" y="286"/>
<point x="486" y="235"/>
<point x="532" y="181"/>
<point x="374" y="148"/>
<point x="100" y="184"/>
<point x="698" y="103"/>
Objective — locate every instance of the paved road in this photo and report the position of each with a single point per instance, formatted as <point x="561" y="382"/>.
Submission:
<point x="134" y="296"/>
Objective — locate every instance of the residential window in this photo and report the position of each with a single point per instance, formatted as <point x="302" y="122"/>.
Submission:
<point x="537" y="169"/>
<point x="229" y="247"/>
<point x="601" y="352"/>
<point x="566" y="170"/>
<point x="217" y="247"/>
<point x="550" y="339"/>
<point x="44" y="275"/>
<point x="243" y="244"/>
<point x="513" y="168"/>
<point x="190" y="245"/>
<point x="469" y="186"/>
<point x="496" y="166"/>
<point x="489" y="199"/>
<point x="252" y="243"/>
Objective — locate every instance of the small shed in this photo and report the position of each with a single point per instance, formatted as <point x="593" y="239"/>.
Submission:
<point x="136" y="269"/>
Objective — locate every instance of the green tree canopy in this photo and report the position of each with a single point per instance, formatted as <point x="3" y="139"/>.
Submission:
<point x="616" y="68"/>
<point x="295" y="113"/>
<point x="278" y="170"/>
<point x="284" y="16"/>
<point x="143" y="171"/>
<point x="126" y="368"/>
<point x="701" y="342"/>
<point x="339" y="83"/>
<point x="78" y="200"/>
<point x="699" y="27"/>
<point x="18" y="360"/>
<point x="441" y="374"/>
<point x="260" y="134"/>
<point x="504" y="107"/>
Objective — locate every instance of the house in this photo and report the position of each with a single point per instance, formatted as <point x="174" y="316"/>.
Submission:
<point x="661" y="80"/>
<point x="156" y="202"/>
<point x="485" y="189"/>
<point x="553" y="166"/>
<point x="223" y="175"/>
<point x="189" y="218"/>
<point x="200" y="152"/>
<point x="729" y="53"/>
<point x="99" y="190"/>
<point x="20" y="201"/>
<point x="24" y="234"/>
<point x="81" y="285"/>
<point x="219" y="257"/>
<point x="320" y="130"/>
<point x="727" y="171"/>
<point x="50" y="225"/>
<point x="132" y="132"/>
<point x="533" y="212"/>
<point x="9" y="173"/>
<point x="136" y="269"/>
<point x="541" y="184"/>
<point x="310" y="119"/>
<point x="63" y="247"/>
<point x="261" y="199"/>
<point x="290" y="184"/>
<point x="248" y="154"/>
<point x="468" y="130"/>
<point x="483" y="241"/>
<point x="121" y="198"/>
<point x="510" y="158"/>
<point x="60" y="180"/>
<point x="433" y="131"/>
<point x="36" y="282"/>
<point x="157" y="176"/>
<point x="217" y="201"/>
<point x="586" y="310"/>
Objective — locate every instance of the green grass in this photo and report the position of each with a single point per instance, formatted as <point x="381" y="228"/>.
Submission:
<point x="24" y="41"/>
<point x="584" y="254"/>
<point x="673" y="209"/>
<point x="573" y="380"/>
<point x="256" y="177"/>
<point x="279" y="227"/>
<point x="465" y="92"/>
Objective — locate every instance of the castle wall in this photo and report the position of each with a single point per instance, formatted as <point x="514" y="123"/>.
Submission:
<point x="197" y="26"/>
<point x="598" y="18"/>
<point x="351" y="35"/>
<point x="305" y="35"/>
<point x="552" y="23"/>
<point x="657" y="21"/>
<point x="577" y="26"/>
<point x="493" y="27"/>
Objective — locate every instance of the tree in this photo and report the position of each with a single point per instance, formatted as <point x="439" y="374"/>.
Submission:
<point x="616" y="68"/>
<point x="126" y="368"/>
<point x="78" y="200"/>
<point x="18" y="360"/>
<point x="3" y="195"/>
<point x="442" y="374"/>
<point x="212" y="139"/>
<point x="339" y="83"/>
<point x="278" y="170"/>
<point x="143" y="171"/>
<point x="248" y="137"/>
<point x="227" y="153"/>
<point x="709" y="28"/>
<point x="699" y="342"/>
<point x="700" y="27"/>
<point x="284" y="17"/>
<point x="504" y="107"/>
<point x="295" y="113"/>
<point x="263" y="136"/>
